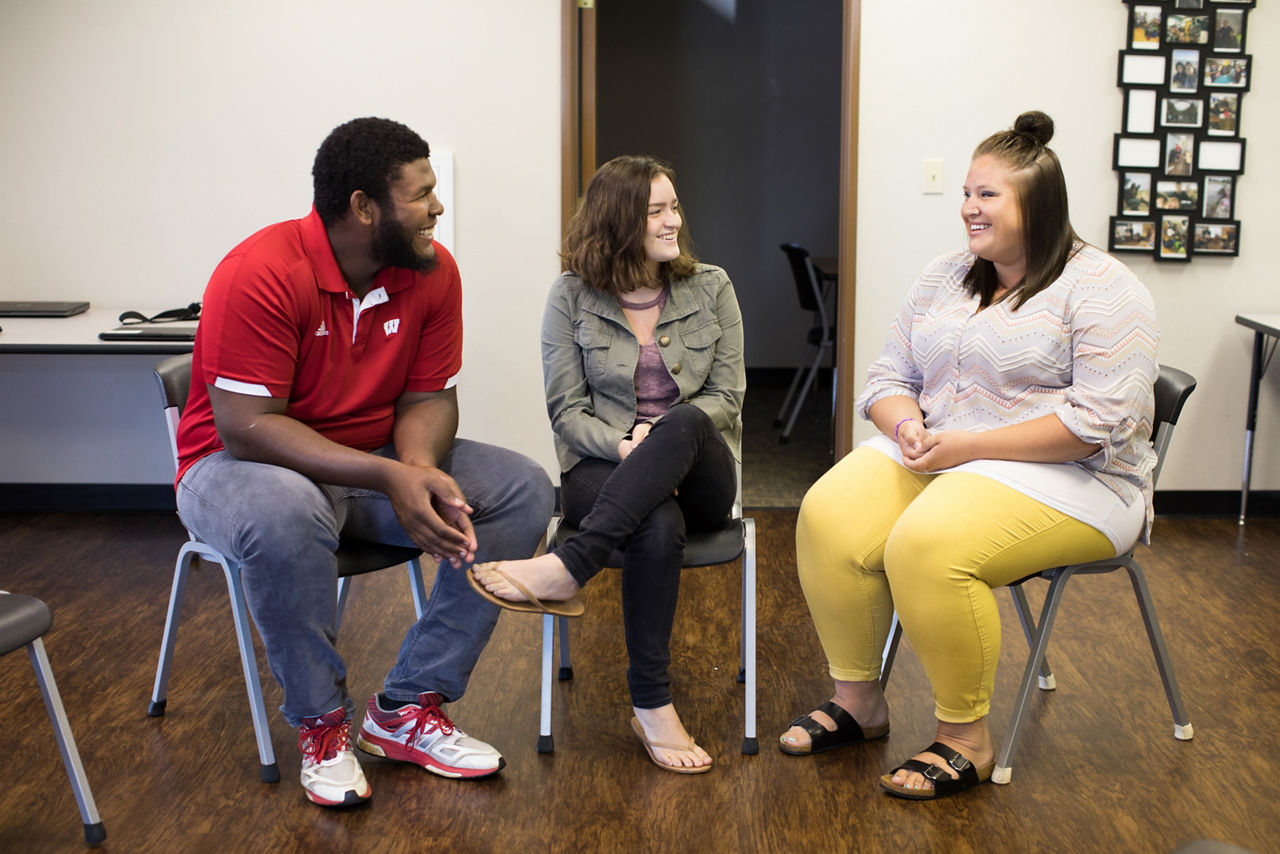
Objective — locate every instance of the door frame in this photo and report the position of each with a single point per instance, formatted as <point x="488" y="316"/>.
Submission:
<point x="578" y="162"/>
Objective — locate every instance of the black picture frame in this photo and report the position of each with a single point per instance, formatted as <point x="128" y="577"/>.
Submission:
<point x="1174" y="237"/>
<point x="1181" y="112"/>
<point x="1223" y="114"/>
<point x="1184" y="71"/>
<point x="1132" y="234"/>
<point x="1218" y="197"/>
<point x="1140" y="108"/>
<point x="1218" y="155"/>
<point x="1229" y="25"/>
<point x="1226" y="72"/>
<point x="1216" y="238"/>
<point x="1146" y="26"/>
<point x="1135" y="193"/>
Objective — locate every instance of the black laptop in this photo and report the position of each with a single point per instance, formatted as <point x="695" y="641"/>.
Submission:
<point x="41" y="308"/>
<point x="151" y="332"/>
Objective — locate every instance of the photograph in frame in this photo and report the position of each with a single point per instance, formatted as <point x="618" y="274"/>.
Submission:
<point x="1174" y="232"/>
<point x="1182" y="112"/>
<point x="1132" y="235"/>
<point x="1135" y="193"/>
<point x="1178" y="195"/>
<point x="1228" y="31"/>
<point x="1188" y="4"/>
<point x="1226" y="71"/>
<point x="1184" y="70"/>
<point x="1224" y="113"/>
<point x="1218" y="191"/>
<point x="1187" y="29"/>
<point x="1179" y="153"/>
<point x="1146" y="27"/>
<point x="1216" y="238"/>
<point x="1140" y="111"/>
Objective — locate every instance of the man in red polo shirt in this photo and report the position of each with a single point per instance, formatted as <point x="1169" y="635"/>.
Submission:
<point x="323" y="402"/>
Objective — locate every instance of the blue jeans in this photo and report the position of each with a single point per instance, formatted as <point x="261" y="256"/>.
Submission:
<point x="282" y="528"/>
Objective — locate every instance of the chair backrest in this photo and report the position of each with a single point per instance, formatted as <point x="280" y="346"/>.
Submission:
<point x="1172" y="389"/>
<point x="174" y="377"/>
<point x="808" y="284"/>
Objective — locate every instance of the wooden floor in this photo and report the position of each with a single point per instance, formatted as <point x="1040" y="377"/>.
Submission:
<point x="1098" y="768"/>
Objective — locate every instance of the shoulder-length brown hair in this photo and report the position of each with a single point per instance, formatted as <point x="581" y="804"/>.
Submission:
<point x="1047" y="236"/>
<point x="604" y="243"/>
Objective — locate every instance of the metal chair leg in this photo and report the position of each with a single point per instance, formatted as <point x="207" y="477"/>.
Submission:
<point x="418" y="586"/>
<point x="546" y="744"/>
<point x="344" y="589"/>
<point x="1032" y="634"/>
<point x="269" y="771"/>
<point x="890" y="651"/>
<point x="750" y="744"/>
<point x="94" y="832"/>
<point x="566" y="665"/>
<point x="159" y="691"/>
<point x="1004" y="762"/>
<point x="1182" y="729"/>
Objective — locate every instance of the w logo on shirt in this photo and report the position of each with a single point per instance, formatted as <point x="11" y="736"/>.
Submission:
<point x="322" y="330"/>
<point x="391" y="327"/>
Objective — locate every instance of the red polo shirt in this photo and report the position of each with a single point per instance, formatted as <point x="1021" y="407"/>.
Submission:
<point x="278" y="320"/>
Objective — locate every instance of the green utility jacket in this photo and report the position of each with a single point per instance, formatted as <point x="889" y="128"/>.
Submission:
<point x="589" y="356"/>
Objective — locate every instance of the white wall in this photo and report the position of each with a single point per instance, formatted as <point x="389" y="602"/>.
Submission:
<point x="141" y="139"/>
<point x="937" y="76"/>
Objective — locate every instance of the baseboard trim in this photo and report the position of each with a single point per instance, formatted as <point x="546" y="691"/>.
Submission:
<point x="1263" y="503"/>
<point x="79" y="497"/>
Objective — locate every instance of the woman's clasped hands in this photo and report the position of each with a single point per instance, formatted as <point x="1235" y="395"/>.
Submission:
<point x="926" y="451"/>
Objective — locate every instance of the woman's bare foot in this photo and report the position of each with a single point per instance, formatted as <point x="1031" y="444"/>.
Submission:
<point x="863" y="700"/>
<point x="544" y="576"/>
<point x="973" y="740"/>
<point x="662" y="726"/>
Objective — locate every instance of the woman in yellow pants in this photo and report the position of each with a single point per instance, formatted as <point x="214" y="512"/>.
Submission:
<point x="1014" y="403"/>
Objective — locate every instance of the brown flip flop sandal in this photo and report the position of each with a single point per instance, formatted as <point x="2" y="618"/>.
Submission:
<point x="650" y="745"/>
<point x="573" y="607"/>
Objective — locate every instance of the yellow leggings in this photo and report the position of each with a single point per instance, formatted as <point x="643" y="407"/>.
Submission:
<point x="873" y="535"/>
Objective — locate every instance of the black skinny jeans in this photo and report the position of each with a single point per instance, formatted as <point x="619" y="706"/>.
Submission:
<point x="630" y="505"/>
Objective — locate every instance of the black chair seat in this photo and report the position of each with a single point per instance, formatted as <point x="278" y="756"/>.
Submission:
<point x="356" y="557"/>
<point x="22" y="620"/>
<point x="704" y="548"/>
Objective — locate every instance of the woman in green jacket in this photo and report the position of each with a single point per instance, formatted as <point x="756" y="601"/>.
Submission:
<point x="642" y="363"/>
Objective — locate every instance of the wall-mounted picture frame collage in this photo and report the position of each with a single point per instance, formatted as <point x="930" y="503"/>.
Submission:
<point x="1184" y="71"/>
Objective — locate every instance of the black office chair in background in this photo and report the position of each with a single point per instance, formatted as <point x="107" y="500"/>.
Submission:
<point x="811" y="288"/>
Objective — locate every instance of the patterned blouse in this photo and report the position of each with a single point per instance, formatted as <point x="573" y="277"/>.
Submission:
<point x="1084" y="349"/>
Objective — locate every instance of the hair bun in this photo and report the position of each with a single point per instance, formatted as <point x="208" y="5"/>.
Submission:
<point x="1036" y="125"/>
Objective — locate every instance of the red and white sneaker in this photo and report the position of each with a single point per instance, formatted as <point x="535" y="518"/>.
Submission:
<point x="422" y="733"/>
<point x="331" y="776"/>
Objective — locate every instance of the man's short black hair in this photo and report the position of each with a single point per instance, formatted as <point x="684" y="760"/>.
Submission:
<point x="363" y="154"/>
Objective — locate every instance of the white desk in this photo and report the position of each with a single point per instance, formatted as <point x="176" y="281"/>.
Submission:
<point x="77" y="414"/>
<point x="1264" y="326"/>
<point x="78" y="334"/>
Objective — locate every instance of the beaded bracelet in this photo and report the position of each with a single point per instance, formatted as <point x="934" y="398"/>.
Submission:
<point x="897" y="426"/>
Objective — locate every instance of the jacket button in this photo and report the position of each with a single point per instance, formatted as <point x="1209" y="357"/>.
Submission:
<point x="675" y="369"/>
<point x="664" y="341"/>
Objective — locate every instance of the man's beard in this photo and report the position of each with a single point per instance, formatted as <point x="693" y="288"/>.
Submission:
<point x="392" y="249"/>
